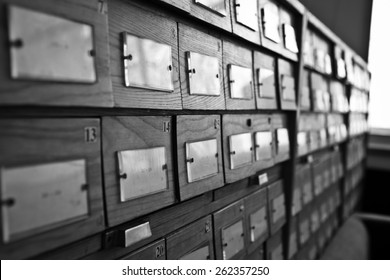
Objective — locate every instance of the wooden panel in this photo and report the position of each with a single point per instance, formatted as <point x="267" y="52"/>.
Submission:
<point x="280" y="121"/>
<point x="276" y="205"/>
<point x="191" y="238"/>
<point x="236" y="124"/>
<point x="210" y="16"/>
<point x="274" y="247"/>
<point x="242" y="30"/>
<point x="256" y="206"/>
<point x="74" y="251"/>
<point x="27" y="142"/>
<point x="24" y="92"/>
<point x="286" y="69"/>
<point x="134" y="133"/>
<point x="239" y="56"/>
<point x="263" y="61"/>
<point x="141" y="21"/>
<point x="223" y="219"/>
<point x="194" y="40"/>
<point x="293" y="238"/>
<point x="192" y="129"/>
<point x="154" y="251"/>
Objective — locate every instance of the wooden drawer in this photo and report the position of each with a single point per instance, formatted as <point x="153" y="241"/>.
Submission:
<point x="229" y="231"/>
<point x="241" y="133"/>
<point x="282" y="137"/>
<point x="339" y="97"/>
<point x="245" y="19"/>
<point x="315" y="220"/>
<point x="193" y="242"/>
<point x="32" y="69"/>
<point x="277" y="206"/>
<point x="287" y="85"/>
<point x="154" y="251"/>
<point x="322" y="54"/>
<point x="213" y="12"/>
<point x="201" y="79"/>
<point x="136" y="30"/>
<point x="278" y="29"/>
<point x="297" y="194"/>
<point x="137" y="165"/>
<point x="60" y="160"/>
<point x="266" y="89"/>
<point x="179" y="4"/>
<point x="339" y="62"/>
<point x="274" y="247"/>
<point x="238" y="77"/>
<point x="199" y="154"/>
<point x="256" y="211"/>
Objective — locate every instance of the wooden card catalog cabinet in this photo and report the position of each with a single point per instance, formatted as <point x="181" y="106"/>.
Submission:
<point x="277" y="207"/>
<point x="154" y="251"/>
<point x="215" y="12"/>
<point x="282" y="142"/>
<point x="270" y="22"/>
<point x="71" y="50"/>
<point x="200" y="69"/>
<point x="199" y="152"/>
<point x="144" y="65"/>
<point x="239" y="77"/>
<point x="50" y="185"/>
<point x="265" y="81"/>
<point x="246" y="22"/>
<point x="274" y="247"/>
<point x="193" y="242"/>
<point x="138" y="166"/>
<point x="256" y="209"/>
<point x="287" y="85"/>
<point x="229" y="232"/>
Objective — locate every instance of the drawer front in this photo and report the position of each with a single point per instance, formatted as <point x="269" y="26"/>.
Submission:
<point x="138" y="166"/>
<point x="62" y="166"/>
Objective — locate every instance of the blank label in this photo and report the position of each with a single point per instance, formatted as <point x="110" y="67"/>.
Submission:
<point x="240" y="147"/>
<point x="41" y="195"/>
<point x="233" y="240"/>
<point x="240" y="82"/>
<point x="142" y="172"/>
<point x="46" y="47"/>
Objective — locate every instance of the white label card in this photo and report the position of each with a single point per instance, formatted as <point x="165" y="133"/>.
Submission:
<point x="42" y="195"/>
<point x="202" y="159"/>
<point x="283" y="143"/>
<point x="50" y="48"/>
<point x="233" y="239"/>
<point x="258" y="223"/>
<point x="246" y="13"/>
<point x="147" y="64"/>
<point x="266" y="80"/>
<point x="142" y="172"/>
<point x="288" y="88"/>
<point x="263" y="179"/>
<point x="203" y="74"/>
<point x="240" y="82"/>
<point x="270" y="16"/>
<point x="240" y="147"/>
<point x="290" y="41"/>
<point x="263" y="144"/>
